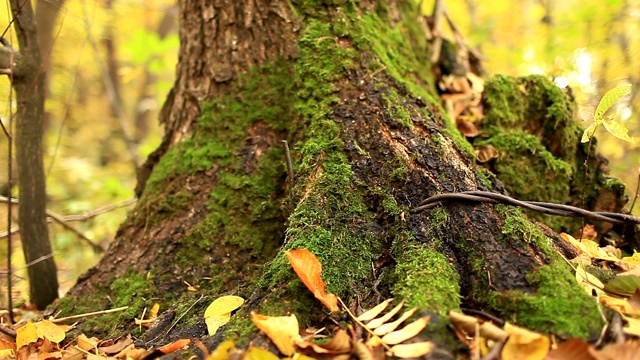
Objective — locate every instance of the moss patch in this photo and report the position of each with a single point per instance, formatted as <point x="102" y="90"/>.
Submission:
<point x="558" y="305"/>
<point x="427" y="280"/>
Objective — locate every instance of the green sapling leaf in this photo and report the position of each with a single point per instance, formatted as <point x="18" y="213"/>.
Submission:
<point x="608" y="100"/>
<point x="588" y="132"/>
<point x="616" y="128"/>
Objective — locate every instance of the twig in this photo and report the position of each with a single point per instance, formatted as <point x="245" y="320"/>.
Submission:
<point x="287" y="154"/>
<point x="7" y="330"/>
<point x="543" y="207"/>
<point x="80" y="316"/>
<point x="63" y="220"/>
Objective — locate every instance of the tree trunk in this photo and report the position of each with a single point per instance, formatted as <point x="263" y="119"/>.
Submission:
<point x="350" y="88"/>
<point x="28" y="83"/>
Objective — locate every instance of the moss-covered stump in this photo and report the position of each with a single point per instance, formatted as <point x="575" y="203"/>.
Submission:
<point x="533" y="125"/>
<point x="369" y="141"/>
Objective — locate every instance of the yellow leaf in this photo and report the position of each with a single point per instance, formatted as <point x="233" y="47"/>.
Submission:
<point x="223" y="351"/>
<point x="407" y="332"/>
<point x="282" y="330"/>
<point x="589" y="282"/>
<point x="383" y="320"/>
<point x="26" y="335"/>
<point x="223" y="305"/>
<point x="617" y="129"/>
<point x="588" y="132"/>
<point x="375" y="311"/>
<point x="219" y="311"/>
<point x="389" y="327"/>
<point x="633" y="326"/>
<point x="524" y="344"/>
<point x="412" y="350"/>
<point x="50" y="331"/>
<point x="214" y="322"/>
<point x="633" y="259"/>
<point x="256" y="353"/>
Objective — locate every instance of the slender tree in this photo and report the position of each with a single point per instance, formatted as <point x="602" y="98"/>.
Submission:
<point x="28" y="83"/>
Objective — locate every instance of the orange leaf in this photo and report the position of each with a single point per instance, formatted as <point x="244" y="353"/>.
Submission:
<point x="174" y="346"/>
<point x="308" y="268"/>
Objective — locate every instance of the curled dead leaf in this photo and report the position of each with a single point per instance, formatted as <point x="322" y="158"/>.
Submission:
<point x="485" y="153"/>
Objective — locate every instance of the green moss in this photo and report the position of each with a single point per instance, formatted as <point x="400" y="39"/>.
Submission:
<point x="133" y="289"/>
<point x="399" y="112"/>
<point x="427" y="280"/>
<point x="558" y="306"/>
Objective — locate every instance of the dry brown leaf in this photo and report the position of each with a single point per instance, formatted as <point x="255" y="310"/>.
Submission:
<point x="308" y="268"/>
<point x="524" y="344"/>
<point x="574" y="349"/>
<point x="625" y="351"/>
<point x="412" y="350"/>
<point x="406" y="332"/>
<point x="468" y="323"/>
<point x="375" y="311"/>
<point x="340" y="344"/>
<point x="467" y="128"/>
<point x="485" y="153"/>
<point x="361" y="351"/>
<point x="87" y="344"/>
<point x="115" y="347"/>
<point x="282" y="330"/>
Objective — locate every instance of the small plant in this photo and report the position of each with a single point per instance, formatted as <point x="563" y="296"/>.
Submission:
<point x="613" y="125"/>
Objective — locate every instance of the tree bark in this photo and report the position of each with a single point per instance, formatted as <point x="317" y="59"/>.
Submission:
<point x="349" y="87"/>
<point x="28" y="83"/>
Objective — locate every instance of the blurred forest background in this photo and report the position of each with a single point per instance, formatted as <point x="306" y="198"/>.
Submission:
<point x="94" y="139"/>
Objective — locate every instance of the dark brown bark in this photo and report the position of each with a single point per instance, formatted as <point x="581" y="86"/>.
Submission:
<point x="29" y="88"/>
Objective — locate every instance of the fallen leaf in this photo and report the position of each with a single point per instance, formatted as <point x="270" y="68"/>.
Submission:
<point x="26" y="335"/>
<point x="282" y="330"/>
<point x="375" y="311"/>
<point x="573" y="349"/>
<point x="485" y="153"/>
<point x="87" y="344"/>
<point x="308" y="268"/>
<point x="50" y="331"/>
<point x="623" y="285"/>
<point x="375" y="323"/>
<point x="256" y="353"/>
<point x="340" y="344"/>
<point x="389" y="327"/>
<point x="524" y="344"/>
<point x="219" y="311"/>
<point x="175" y="346"/>
<point x="406" y="332"/>
<point x="223" y="351"/>
<point x="115" y="347"/>
<point x="411" y="350"/>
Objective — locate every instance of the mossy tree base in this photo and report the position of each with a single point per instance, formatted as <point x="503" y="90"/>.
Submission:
<point x="369" y="141"/>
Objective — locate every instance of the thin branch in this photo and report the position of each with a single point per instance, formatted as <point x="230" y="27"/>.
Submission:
<point x="80" y="316"/>
<point x="63" y="220"/>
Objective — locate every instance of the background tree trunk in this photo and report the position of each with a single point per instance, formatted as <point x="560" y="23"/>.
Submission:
<point x="28" y="83"/>
<point x="350" y="88"/>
